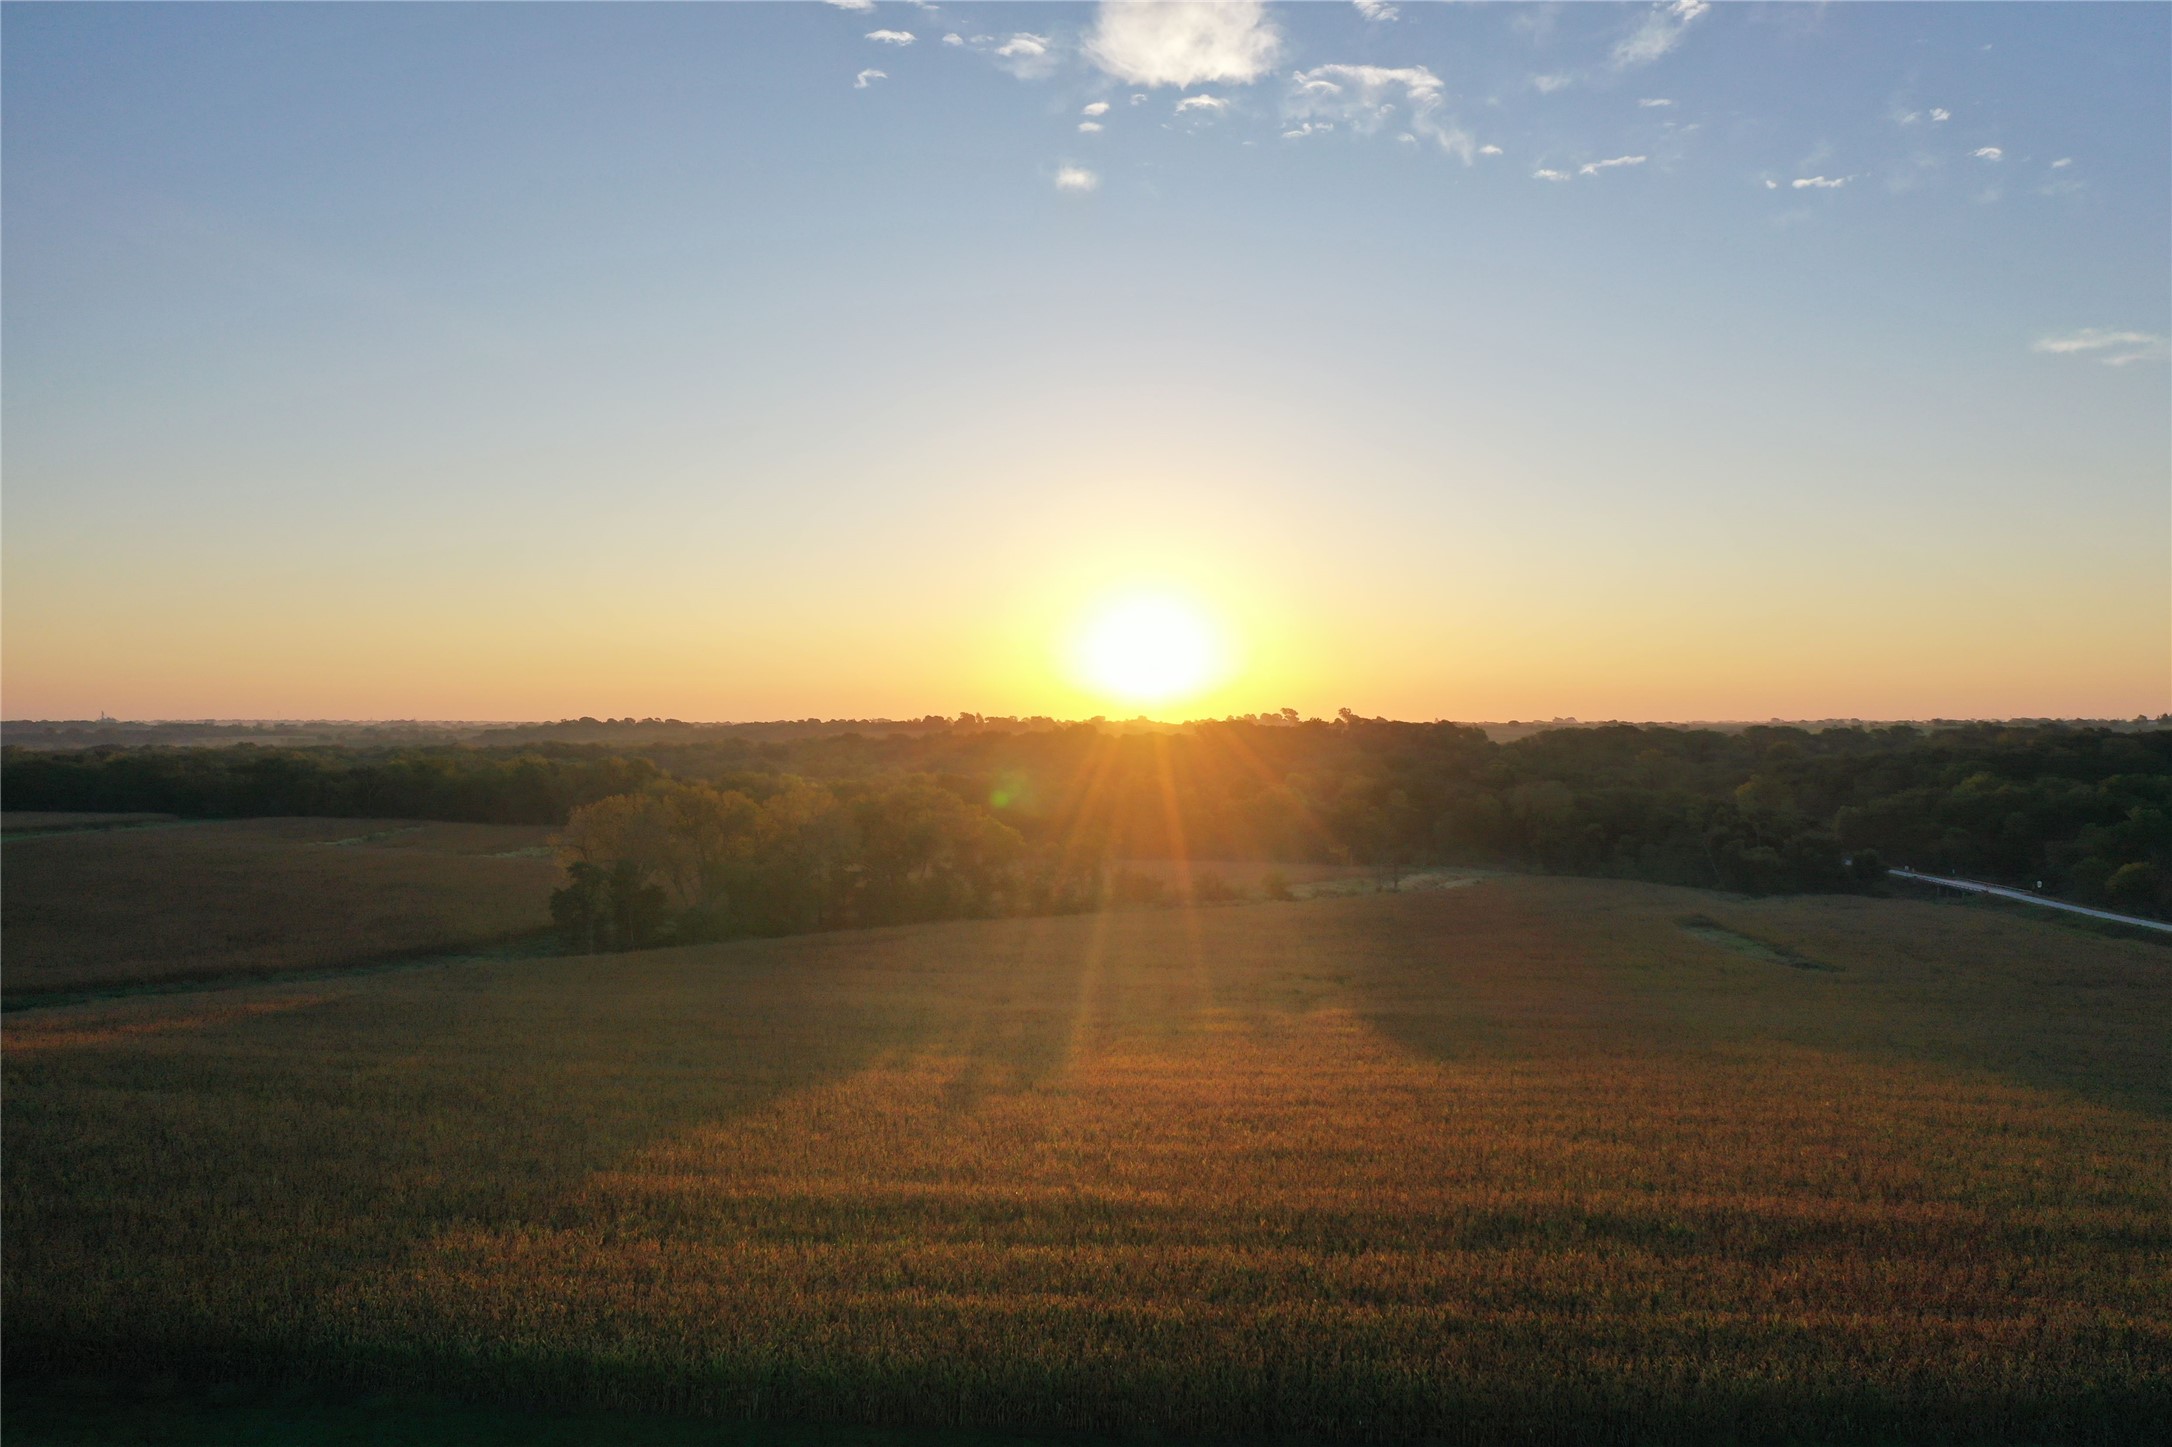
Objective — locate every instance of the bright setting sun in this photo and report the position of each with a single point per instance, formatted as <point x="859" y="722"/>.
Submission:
<point x="1150" y="648"/>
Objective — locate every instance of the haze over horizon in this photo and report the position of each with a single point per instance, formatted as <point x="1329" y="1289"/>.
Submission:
<point x="1679" y="361"/>
<point x="1167" y="720"/>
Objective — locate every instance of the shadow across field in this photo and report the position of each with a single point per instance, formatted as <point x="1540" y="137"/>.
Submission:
<point x="187" y="1186"/>
<point x="1521" y="1160"/>
<point x="1561" y="963"/>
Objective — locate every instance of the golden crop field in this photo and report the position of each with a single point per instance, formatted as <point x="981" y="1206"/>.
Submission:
<point x="1523" y="1160"/>
<point x="95" y="908"/>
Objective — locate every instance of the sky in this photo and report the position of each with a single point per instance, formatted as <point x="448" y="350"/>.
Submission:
<point x="745" y="361"/>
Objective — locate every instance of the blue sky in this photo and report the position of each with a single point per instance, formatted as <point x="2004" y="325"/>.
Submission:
<point x="750" y="360"/>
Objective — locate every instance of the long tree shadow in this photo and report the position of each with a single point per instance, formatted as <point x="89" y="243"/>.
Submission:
<point x="1538" y="964"/>
<point x="185" y="1187"/>
<point x="1274" y="1169"/>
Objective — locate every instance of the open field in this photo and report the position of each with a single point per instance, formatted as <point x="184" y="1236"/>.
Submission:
<point x="166" y="1414"/>
<point x="1526" y="1159"/>
<point x="45" y="821"/>
<point x="1249" y="878"/>
<point x="101" y="908"/>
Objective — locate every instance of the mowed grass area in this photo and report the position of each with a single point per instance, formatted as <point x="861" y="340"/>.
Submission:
<point x="90" y="908"/>
<point x="1525" y="1160"/>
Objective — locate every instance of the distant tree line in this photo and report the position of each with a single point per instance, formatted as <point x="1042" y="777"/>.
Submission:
<point x="248" y="781"/>
<point x="2086" y="812"/>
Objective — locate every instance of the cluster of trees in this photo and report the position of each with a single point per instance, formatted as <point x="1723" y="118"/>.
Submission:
<point x="690" y="861"/>
<point x="2086" y="812"/>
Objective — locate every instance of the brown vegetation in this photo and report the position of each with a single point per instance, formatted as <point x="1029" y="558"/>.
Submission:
<point x="1524" y="1159"/>
<point x="112" y="907"/>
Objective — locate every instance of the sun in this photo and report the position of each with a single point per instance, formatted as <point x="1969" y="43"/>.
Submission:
<point x="1149" y="648"/>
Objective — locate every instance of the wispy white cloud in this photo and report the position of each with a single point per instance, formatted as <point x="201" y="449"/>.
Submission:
<point x="1307" y="128"/>
<point x="1548" y="84"/>
<point x="1489" y="150"/>
<point x="891" y="37"/>
<point x="1149" y="42"/>
<point x="1027" y="56"/>
<point x="1653" y="102"/>
<point x="1545" y="174"/>
<point x="1593" y="168"/>
<point x="1940" y="114"/>
<point x="868" y="77"/>
<point x="1820" y="183"/>
<point x="1365" y="98"/>
<point x="1660" y="31"/>
<point x="1076" y="178"/>
<point x="858" y="6"/>
<point x="1089" y="128"/>
<point x="2112" y="348"/>
<point x="1988" y="153"/>
<point x="2062" y="163"/>
<point x="1098" y="108"/>
<point x="1536" y="22"/>
<point x="1024" y="54"/>
<point x="1376" y="9"/>
<point x="1210" y="104"/>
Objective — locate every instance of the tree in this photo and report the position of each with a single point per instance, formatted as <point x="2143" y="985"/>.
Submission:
<point x="2137" y="886"/>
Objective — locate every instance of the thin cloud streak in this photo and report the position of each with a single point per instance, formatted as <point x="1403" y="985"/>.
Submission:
<point x="2119" y="348"/>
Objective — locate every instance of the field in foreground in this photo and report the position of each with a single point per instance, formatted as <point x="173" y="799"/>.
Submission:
<point x="89" y="907"/>
<point x="1527" y="1160"/>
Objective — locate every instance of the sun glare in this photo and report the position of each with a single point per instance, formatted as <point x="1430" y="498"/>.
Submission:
<point x="1149" y="649"/>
